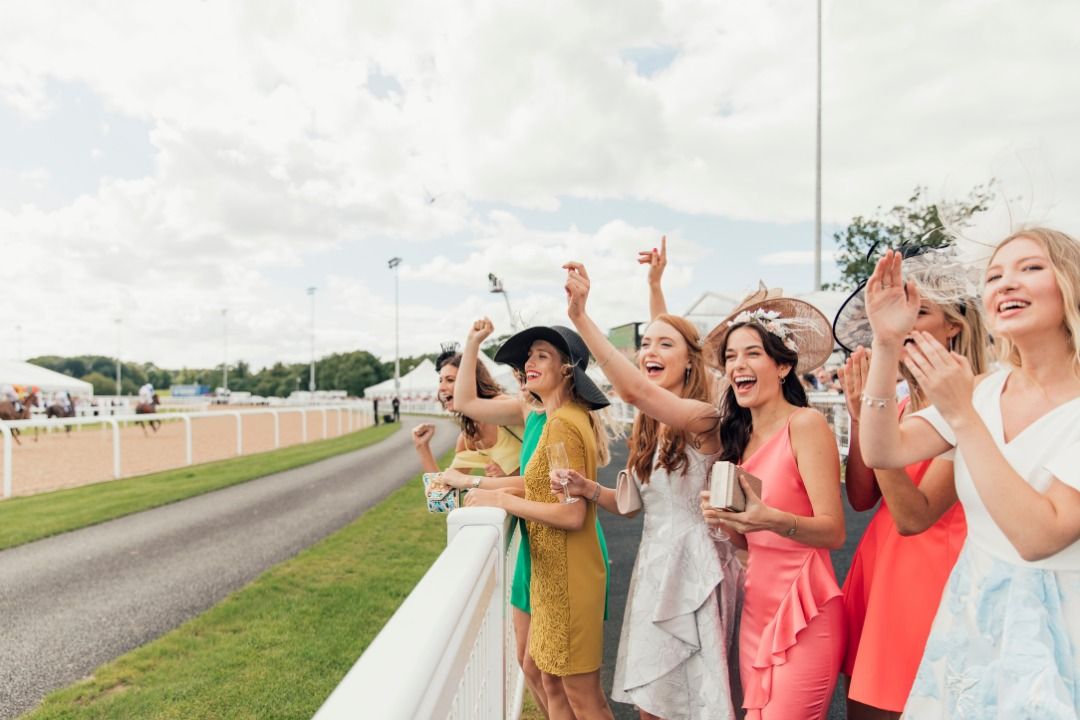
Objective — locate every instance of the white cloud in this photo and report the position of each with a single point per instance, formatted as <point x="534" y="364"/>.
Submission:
<point x="283" y="133"/>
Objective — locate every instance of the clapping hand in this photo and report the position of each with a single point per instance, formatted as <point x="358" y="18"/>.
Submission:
<point x="853" y="380"/>
<point x="945" y="377"/>
<point x="892" y="305"/>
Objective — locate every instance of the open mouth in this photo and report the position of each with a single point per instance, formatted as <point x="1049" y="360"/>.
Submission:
<point x="531" y="375"/>
<point x="653" y="368"/>
<point x="1011" y="307"/>
<point x="743" y="383"/>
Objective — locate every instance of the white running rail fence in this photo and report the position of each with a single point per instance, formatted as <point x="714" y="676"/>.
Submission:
<point x="347" y="416"/>
<point x="448" y="651"/>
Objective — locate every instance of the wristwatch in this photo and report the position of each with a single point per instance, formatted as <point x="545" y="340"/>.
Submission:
<point x="476" y="482"/>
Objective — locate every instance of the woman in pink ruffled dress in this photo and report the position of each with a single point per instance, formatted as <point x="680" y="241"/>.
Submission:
<point x="792" y="633"/>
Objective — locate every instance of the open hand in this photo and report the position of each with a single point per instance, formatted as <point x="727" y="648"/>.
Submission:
<point x="756" y="517"/>
<point x="945" y="377"/>
<point x="892" y="305"/>
<point x="853" y="380"/>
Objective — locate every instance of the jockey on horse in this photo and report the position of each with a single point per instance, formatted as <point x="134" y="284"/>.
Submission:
<point x="148" y="402"/>
<point x="12" y="407"/>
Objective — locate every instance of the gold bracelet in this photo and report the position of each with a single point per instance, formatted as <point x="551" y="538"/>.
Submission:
<point x="610" y="355"/>
<point x="596" y="494"/>
<point x="875" y="402"/>
<point x="794" y="526"/>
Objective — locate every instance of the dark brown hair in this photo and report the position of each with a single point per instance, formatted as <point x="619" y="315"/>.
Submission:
<point x="736" y="423"/>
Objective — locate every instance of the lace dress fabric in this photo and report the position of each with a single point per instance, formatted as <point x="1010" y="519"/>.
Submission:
<point x="677" y="657"/>
<point x="568" y="571"/>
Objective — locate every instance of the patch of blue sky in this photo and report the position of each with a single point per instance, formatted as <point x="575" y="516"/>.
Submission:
<point x="383" y="86"/>
<point x="51" y="160"/>
<point x="649" y="60"/>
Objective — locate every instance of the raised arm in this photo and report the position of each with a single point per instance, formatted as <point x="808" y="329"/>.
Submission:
<point x="502" y="410"/>
<point x="859" y="481"/>
<point x="657" y="261"/>
<point x="679" y="413"/>
<point x="892" y="307"/>
<point x="1039" y="522"/>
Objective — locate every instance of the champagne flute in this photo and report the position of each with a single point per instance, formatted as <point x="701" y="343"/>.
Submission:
<point x="560" y="465"/>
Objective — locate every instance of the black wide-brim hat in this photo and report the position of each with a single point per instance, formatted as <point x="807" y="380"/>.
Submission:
<point x="515" y="351"/>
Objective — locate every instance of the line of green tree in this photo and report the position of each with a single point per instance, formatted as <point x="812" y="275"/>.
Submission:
<point x="350" y="371"/>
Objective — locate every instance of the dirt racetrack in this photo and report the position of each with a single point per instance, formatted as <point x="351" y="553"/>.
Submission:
<point x="85" y="455"/>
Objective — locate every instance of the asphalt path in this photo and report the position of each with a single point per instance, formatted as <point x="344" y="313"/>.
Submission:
<point x="75" y="601"/>
<point x="623" y="536"/>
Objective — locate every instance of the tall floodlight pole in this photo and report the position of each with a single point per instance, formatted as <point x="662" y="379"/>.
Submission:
<point x="817" y="164"/>
<point x="225" y="334"/>
<point x="495" y="285"/>
<point x="311" y="379"/>
<point x="393" y="265"/>
<point x="118" y="326"/>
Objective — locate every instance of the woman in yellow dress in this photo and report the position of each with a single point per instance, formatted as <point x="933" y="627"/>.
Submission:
<point x="568" y="573"/>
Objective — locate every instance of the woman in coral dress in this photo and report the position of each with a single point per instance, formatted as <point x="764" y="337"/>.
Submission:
<point x="1005" y="642"/>
<point x="792" y="633"/>
<point x="898" y="573"/>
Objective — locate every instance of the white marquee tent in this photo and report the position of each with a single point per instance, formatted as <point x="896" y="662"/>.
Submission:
<point x="14" y="372"/>
<point x="422" y="382"/>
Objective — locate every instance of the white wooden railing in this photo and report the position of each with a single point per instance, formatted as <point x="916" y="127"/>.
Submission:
<point x="448" y="652"/>
<point x="349" y="416"/>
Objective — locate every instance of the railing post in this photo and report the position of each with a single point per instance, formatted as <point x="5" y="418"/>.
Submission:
<point x="277" y="428"/>
<point x="338" y="408"/>
<point x="303" y="425"/>
<point x="8" y="485"/>
<point x="239" y="433"/>
<point x="187" y="439"/>
<point x="324" y="435"/>
<point x="115" y="446"/>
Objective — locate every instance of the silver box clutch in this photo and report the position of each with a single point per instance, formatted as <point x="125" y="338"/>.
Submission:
<point x="724" y="489"/>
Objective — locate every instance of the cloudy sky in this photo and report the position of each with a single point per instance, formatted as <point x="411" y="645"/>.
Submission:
<point x="163" y="161"/>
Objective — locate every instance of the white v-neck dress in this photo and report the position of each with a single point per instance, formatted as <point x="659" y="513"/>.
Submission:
<point x="1006" y="639"/>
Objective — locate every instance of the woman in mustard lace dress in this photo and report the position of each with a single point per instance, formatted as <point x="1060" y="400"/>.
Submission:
<point x="568" y="573"/>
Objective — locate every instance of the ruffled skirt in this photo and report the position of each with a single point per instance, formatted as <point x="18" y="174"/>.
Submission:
<point x="676" y="651"/>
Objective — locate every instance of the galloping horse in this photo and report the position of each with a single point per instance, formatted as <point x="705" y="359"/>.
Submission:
<point x="56" y="410"/>
<point x="148" y="408"/>
<point x="8" y="412"/>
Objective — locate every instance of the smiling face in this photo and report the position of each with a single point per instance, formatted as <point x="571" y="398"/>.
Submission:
<point x="544" y="372"/>
<point x="754" y="375"/>
<point x="664" y="356"/>
<point x="1022" y="296"/>
<point x="933" y="320"/>
<point x="447" y="376"/>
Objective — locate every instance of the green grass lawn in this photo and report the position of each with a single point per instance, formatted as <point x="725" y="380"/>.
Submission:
<point x="277" y="648"/>
<point x="26" y="519"/>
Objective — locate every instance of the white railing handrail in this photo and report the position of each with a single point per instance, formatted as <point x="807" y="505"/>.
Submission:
<point x="343" y="410"/>
<point x="417" y="666"/>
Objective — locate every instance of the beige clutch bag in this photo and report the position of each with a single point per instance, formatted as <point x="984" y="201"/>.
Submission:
<point x="627" y="495"/>
<point x="724" y="488"/>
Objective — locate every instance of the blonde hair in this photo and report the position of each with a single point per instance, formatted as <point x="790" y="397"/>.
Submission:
<point x="972" y="342"/>
<point x="1064" y="253"/>
<point x="601" y="421"/>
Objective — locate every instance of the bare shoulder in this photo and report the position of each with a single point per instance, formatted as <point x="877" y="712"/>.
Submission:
<point x="808" y="420"/>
